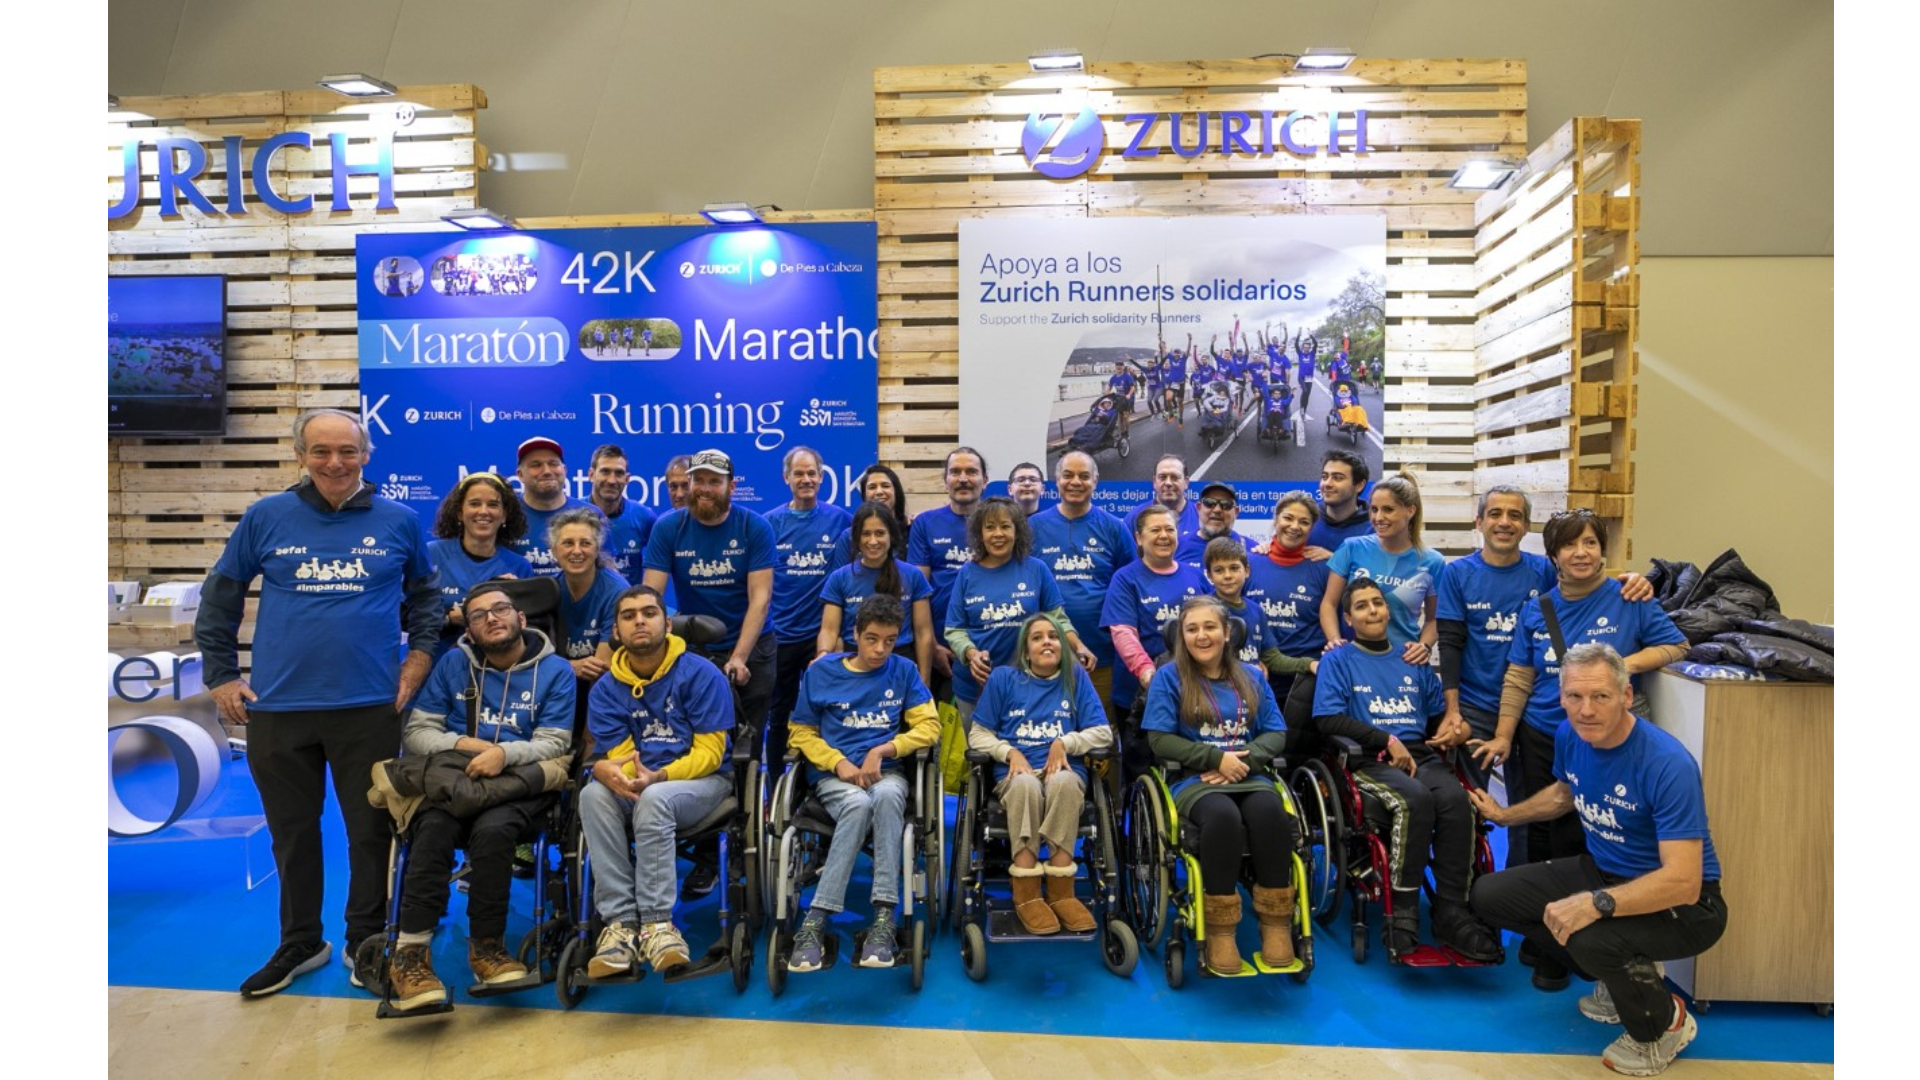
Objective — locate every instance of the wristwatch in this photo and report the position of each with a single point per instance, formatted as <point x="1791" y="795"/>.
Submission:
<point x="1603" y="903"/>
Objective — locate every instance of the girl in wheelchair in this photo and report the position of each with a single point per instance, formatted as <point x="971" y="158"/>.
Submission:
<point x="1216" y="718"/>
<point x="1036" y="719"/>
<point x="1368" y="692"/>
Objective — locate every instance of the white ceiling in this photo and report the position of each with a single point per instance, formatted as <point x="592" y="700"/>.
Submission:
<point x="624" y="106"/>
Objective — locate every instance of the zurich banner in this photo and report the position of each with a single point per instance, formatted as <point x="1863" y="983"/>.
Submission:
<point x="664" y="341"/>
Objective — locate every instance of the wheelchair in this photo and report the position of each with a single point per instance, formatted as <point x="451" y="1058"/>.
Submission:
<point x="1343" y="827"/>
<point x="539" y="600"/>
<point x="800" y="831"/>
<point x="728" y="840"/>
<point x="981" y="858"/>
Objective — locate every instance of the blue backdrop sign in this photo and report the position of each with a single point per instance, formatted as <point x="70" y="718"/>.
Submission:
<point x="664" y="340"/>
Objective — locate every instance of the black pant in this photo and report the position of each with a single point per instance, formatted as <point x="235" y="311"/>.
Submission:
<point x="1228" y="824"/>
<point x="1620" y="951"/>
<point x="289" y="754"/>
<point x="790" y="662"/>
<point x="489" y="837"/>
<point x="756" y="697"/>
<point x="1559" y="838"/>
<point x="1428" y="811"/>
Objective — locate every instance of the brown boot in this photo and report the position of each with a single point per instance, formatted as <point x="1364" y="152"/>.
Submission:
<point x="1223" y="918"/>
<point x="1033" y="912"/>
<point x="1274" y="909"/>
<point x="1073" y="915"/>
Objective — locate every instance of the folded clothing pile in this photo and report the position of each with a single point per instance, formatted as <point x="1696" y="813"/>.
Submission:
<point x="1731" y="619"/>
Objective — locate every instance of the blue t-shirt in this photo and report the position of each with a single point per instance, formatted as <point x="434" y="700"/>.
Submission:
<point x="1330" y="537"/>
<point x="327" y="633"/>
<point x="807" y="546"/>
<point x="1084" y="553"/>
<point x="1145" y="600"/>
<point x="1122" y="382"/>
<point x="1031" y="712"/>
<point x="512" y="703"/>
<point x="1193" y="548"/>
<point x="1633" y="796"/>
<point x="708" y="564"/>
<point x="849" y="585"/>
<point x="991" y="604"/>
<point x="1602" y="616"/>
<point x="535" y="547"/>
<point x="1187" y="522"/>
<point x="937" y="540"/>
<point x="1488" y="600"/>
<point x="856" y="711"/>
<point x="627" y="537"/>
<point x="1407" y="579"/>
<point x="590" y="619"/>
<point x="459" y="571"/>
<point x="1289" y="600"/>
<point x="1379" y="689"/>
<point x="1235" y="723"/>
<point x="692" y="698"/>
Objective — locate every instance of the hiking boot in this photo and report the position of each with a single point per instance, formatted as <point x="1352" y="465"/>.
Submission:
<point x="491" y="963"/>
<point x="410" y="974"/>
<point x="1274" y="908"/>
<point x="614" y="953"/>
<point x="662" y="947"/>
<point x="877" y="950"/>
<point x="1631" y="1057"/>
<point x="1549" y="975"/>
<point x="1455" y="925"/>
<point x="289" y="960"/>
<point x="1222" y="915"/>
<point x="809" y="944"/>
<point x="1067" y="908"/>
<point x="1034" y="914"/>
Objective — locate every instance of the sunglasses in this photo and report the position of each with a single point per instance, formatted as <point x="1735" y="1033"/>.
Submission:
<point x="1218" y="504"/>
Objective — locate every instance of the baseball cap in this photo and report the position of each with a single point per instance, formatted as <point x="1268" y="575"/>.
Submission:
<point x="712" y="461"/>
<point x="1218" y="486"/>
<point x="539" y="443"/>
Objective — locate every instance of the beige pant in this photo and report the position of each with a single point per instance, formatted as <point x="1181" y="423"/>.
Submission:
<point x="1035" y="813"/>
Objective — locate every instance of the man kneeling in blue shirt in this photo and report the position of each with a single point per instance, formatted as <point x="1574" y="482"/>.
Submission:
<point x="1649" y="889"/>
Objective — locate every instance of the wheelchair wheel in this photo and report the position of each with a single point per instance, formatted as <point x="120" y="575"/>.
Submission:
<point x="1147" y="857"/>
<point x="776" y="962"/>
<point x="1317" y="795"/>
<point x="740" y="954"/>
<point x="960" y="878"/>
<point x="1176" y="964"/>
<point x="1359" y="942"/>
<point x="934" y="852"/>
<point x="919" y="959"/>
<point x="1119" y="948"/>
<point x="1304" y="951"/>
<point x="566" y="985"/>
<point x="973" y="951"/>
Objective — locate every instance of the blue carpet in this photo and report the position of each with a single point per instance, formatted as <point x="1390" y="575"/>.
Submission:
<point x="181" y="917"/>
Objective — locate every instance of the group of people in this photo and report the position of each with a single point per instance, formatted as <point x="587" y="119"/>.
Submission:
<point x="1048" y="630"/>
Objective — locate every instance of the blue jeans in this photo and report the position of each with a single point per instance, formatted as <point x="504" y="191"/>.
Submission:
<point x="856" y="811"/>
<point x="639" y="888"/>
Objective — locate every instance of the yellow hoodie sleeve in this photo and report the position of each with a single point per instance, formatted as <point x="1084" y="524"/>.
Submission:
<point x="702" y="760"/>
<point x="923" y="730"/>
<point x="806" y="739"/>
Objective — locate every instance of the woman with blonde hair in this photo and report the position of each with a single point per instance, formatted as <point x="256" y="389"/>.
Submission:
<point x="1408" y="573"/>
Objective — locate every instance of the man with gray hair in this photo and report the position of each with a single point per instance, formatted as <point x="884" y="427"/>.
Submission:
<point x="1648" y="888"/>
<point x="339" y="567"/>
<point x="1084" y="546"/>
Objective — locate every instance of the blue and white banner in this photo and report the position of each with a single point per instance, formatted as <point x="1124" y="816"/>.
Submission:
<point x="1247" y="346"/>
<point x="664" y="340"/>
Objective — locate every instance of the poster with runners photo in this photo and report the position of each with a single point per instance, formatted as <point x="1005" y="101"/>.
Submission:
<point x="1246" y="345"/>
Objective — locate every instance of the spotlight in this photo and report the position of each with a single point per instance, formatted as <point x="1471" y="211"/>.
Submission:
<point x="1056" y="60"/>
<point x="730" y="213"/>
<point x="479" y="218"/>
<point x="354" y="84"/>
<point x="1485" y="174"/>
<point x="1324" y="59"/>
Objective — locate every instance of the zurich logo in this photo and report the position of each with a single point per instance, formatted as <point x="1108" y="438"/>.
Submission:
<point x="1075" y="142"/>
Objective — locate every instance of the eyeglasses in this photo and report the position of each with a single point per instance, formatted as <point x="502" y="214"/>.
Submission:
<point x="1218" y="504"/>
<point x="501" y="611"/>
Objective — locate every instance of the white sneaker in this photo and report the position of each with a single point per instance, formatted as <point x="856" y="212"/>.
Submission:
<point x="614" y="953"/>
<point x="663" y="947"/>
<point x="1631" y="1057"/>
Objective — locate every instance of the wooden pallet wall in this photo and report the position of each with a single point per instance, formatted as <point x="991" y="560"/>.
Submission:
<point x="1558" y="319"/>
<point x="947" y="149"/>
<point x="290" y="291"/>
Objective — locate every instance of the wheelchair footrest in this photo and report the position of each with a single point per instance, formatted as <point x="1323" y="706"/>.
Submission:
<point x="634" y="974"/>
<point x="1246" y="971"/>
<point x="1260" y="964"/>
<point x="715" y="961"/>
<point x="388" y="1011"/>
<point x="1423" y="956"/>
<point x="1460" y="959"/>
<point x="530" y="981"/>
<point x="1004" y="925"/>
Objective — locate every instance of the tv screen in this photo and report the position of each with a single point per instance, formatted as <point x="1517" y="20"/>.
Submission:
<point x="167" y="355"/>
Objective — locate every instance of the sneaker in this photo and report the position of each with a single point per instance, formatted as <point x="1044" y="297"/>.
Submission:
<point x="809" y="946"/>
<point x="1598" y="1006"/>
<point x="523" y="861"/>
<point x="289" y="960"/>
<point x="877" y="950"/>
<point x="662" y="947"/>
<point x="614" y="954"/>
<point x="1631" y="1057"/>
<point x="700" y="881"/>
<point x="491" y="963"/>
<point x="411" y="975"/>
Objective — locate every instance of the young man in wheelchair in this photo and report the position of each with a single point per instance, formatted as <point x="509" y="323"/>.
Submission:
<point x="1368" y="693"/>
<point x="859" y="714"/>
<point x="659" y="719"/>
<point x="505" y="697"/>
